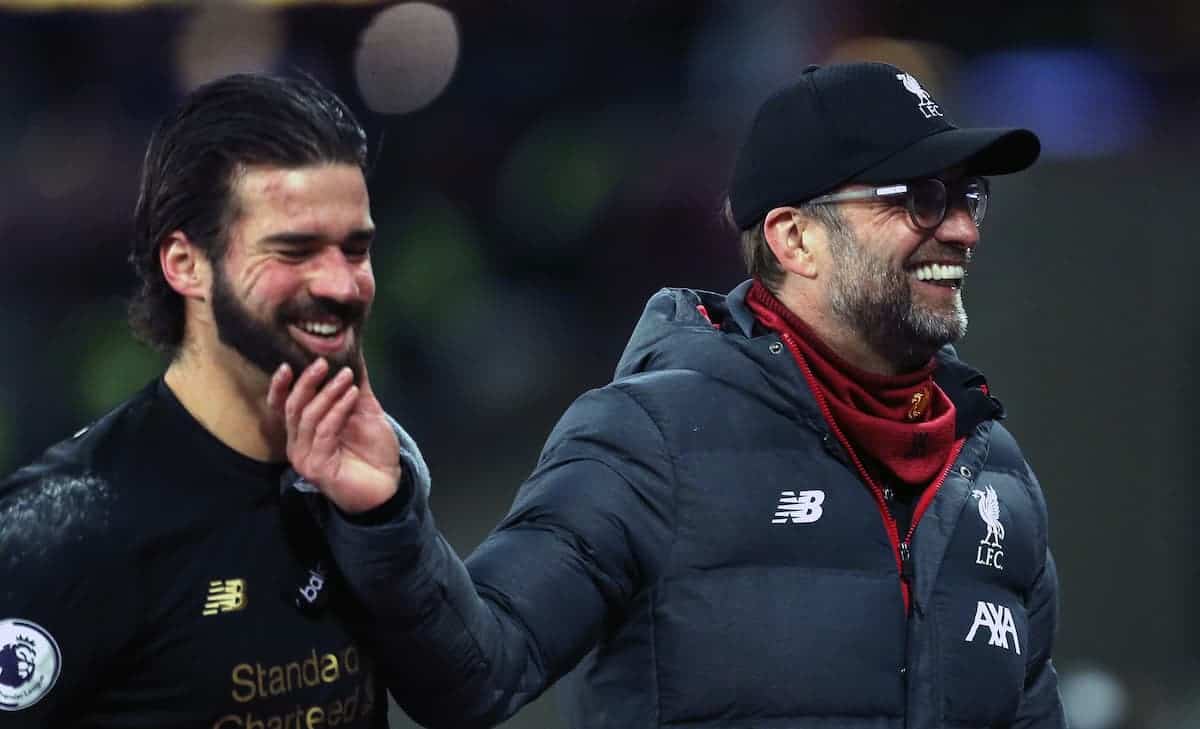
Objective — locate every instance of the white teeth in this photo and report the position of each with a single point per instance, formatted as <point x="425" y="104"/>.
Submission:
<point x="938" y="272"/>
<point x="320" y="329"/>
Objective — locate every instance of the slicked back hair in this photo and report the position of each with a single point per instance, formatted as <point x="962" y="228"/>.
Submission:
<point x="192" y="162"/>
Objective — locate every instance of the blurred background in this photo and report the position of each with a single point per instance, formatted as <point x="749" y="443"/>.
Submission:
<point x="544" y="166"/>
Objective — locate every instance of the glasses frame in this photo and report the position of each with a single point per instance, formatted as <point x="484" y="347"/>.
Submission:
<point x="904" y="189"/>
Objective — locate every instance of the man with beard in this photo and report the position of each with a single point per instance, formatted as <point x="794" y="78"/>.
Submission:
<point x="155" y="562"/>
<point x="793" y="506"/>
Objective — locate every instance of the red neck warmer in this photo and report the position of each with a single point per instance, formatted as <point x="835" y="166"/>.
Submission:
<point x="901" y="428"/>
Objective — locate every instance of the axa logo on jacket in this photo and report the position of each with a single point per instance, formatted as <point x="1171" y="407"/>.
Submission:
<point x="998" y="620"/>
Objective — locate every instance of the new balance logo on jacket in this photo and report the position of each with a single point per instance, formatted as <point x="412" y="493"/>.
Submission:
<point x="799" y="507"/>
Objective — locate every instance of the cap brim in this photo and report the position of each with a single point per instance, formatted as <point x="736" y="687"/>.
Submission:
<point x="980" y="151"/>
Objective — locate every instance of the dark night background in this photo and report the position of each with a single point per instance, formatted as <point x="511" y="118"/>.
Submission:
<point x="543" y="167"/>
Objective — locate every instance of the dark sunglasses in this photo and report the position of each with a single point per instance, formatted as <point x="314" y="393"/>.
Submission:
<point x="926" y="200"/>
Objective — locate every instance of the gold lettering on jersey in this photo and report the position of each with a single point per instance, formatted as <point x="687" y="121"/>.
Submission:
<point x="243" y="678"/>
<point x="358" y="704"/>
<point x="255" y="681"/>
<point x="329" y="668"/>
<point x="314" y="716"/>
<point x="225" y="596"/>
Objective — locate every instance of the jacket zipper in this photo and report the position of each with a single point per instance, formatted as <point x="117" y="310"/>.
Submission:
<point x="904" y="549"/>
<point x="901" y="550"/>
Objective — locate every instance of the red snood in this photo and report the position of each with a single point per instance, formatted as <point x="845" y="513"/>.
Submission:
<point x="901" y="427"/>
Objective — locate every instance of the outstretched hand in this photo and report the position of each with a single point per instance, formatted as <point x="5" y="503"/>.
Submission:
<point x="338" y="437"/>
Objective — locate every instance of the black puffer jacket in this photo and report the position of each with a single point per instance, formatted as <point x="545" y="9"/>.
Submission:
<point x="695" y="550"/>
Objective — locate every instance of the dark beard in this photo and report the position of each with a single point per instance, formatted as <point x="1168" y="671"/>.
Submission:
<point x="267" y="345"/>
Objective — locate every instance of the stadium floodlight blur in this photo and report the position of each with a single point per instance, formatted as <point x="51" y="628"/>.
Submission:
<point x="406" y="57"/>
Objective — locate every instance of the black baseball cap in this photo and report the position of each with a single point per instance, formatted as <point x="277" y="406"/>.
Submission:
<point x="859" y="122"/>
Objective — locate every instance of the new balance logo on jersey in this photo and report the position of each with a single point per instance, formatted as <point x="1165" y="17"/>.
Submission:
<point x="999" y="621"/>
<point x="225" y="596"/>
<point x="799" y="507"/>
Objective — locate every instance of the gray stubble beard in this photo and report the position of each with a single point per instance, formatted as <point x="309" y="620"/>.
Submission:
<point x="877" y="303"/>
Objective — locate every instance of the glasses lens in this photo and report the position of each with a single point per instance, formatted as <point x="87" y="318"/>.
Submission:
<point x="927" y="203"/>
<point x="975" y="197"/>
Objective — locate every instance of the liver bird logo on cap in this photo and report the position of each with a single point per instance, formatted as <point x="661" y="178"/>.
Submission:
<point x="925" y="102"/>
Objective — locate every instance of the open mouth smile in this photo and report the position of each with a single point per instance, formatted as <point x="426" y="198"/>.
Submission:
<point x="946" y="275"/>
<point x="321" y="337"/>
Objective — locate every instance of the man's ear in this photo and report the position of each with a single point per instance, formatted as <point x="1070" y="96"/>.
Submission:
<point x="792" y="237"/>
<point x="185" y="266"/>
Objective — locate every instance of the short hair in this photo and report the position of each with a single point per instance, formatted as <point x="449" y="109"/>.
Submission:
<point x="760" y="260"/>
<point x="191" y="163"/>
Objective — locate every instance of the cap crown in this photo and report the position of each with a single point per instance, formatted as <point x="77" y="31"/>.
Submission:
<point x="835" y="123"/>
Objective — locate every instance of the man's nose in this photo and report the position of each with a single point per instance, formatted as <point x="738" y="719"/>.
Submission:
<point x="958" y="228"/>
<point x="334" y="277"/>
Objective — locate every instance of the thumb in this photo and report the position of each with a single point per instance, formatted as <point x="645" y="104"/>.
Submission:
<point x="365" y="393"/>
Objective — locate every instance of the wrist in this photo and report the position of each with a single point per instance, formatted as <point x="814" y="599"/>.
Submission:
<point x="386" y="510"/>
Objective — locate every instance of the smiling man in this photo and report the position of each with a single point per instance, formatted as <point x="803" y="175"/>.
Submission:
<point x="289" y="217"/>
<point x="794" y="506"/>
<point x="154" y="573"/>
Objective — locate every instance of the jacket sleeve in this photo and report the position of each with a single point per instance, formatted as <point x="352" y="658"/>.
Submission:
<point x="467" y="644"/>
<point x="1041" y="706"/>
<point x="67" y="602"/>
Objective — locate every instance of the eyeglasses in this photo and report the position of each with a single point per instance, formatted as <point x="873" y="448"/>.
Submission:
<point x="927" y="200"/>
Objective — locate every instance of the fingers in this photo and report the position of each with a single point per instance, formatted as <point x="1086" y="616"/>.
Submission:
<point x="302" y="392"/>
<point x="369" y="403"/>
<point x="277" y="390"/>
<point x="309" y="407"/>
<point x="327" y="432"/>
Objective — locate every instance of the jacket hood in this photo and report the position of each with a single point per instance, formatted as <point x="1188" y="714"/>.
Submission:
<point x="676" y="322"/>
<point x="716" y="335"/>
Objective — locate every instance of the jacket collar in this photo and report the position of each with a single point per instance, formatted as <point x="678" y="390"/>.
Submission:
<point x="964" y="385"/>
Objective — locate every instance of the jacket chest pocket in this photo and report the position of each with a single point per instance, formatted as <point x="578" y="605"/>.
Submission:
<point x="983" y="646"/>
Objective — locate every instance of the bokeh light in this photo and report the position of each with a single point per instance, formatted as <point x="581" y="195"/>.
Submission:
<point x="426" y="253"/>
<point x="928" y="62"/>
<point x="745" y="51"/>
<point x="406" y="57"/>
<point x="113" y="364"/>
<point x="1082" y="103"/>
<point x="225" y="37"/>
<point x="65" y="149"/>
<point x="554" y="183"/>
<point x="1094" y="699"/>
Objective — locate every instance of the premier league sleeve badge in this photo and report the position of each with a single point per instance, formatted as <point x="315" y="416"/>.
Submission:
<point x="30" y="663"/>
